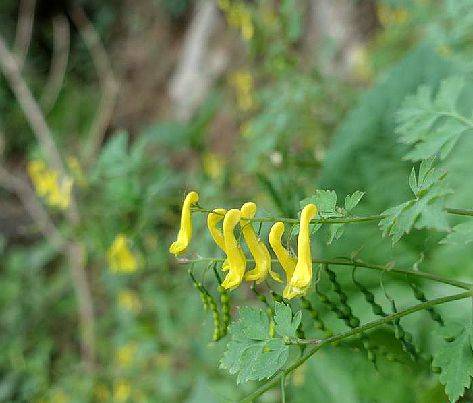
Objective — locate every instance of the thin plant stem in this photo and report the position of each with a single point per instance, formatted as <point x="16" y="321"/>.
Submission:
<point x="352" y="262"/>
<point x="336" y="220"/>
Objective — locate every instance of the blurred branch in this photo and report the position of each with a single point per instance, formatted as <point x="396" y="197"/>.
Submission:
<point x="61" y="43"/>
<point x="19" y="186"/>
<point x="197" y="66"/>
<point x="34" y="116"/>
<point x="24" y="30"/>
<point x="109" y="85"/>
<point x="74" y="251"/>
<point x="76" y="255"/>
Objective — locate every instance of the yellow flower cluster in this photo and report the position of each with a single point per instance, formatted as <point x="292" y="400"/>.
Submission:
<point x="238" y="16"/>
<point x="48" y="184"/>
<point x="120" y="258"/>
<point x="242" y="81"/>
<point x="298" y="269"/>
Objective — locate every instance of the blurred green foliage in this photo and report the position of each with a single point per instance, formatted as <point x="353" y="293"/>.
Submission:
<point x="305" y="130"/>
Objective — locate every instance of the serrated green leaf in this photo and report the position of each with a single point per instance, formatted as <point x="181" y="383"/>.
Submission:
<point x="432" y="124"/>
<point x="455" y="359"/>
<point x="351" y="201"/>
<point x="426" y="210"/>
<point x="286" y="323"/>
<point x="326" y="202"/>
<point x="251" y="352"/>
<point x="462" y="234"/>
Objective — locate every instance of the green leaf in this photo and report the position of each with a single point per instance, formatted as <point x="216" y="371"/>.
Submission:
<point x="351" y="201"/>
<point x="462" y="234"/>
<point x="432" y="124"/>
<point x="455" y="359"/>
<point x="286" y="323"/>
<point x="326" y="202"/>
<point x="252" y="353"/>
<point x="426" y="210"/>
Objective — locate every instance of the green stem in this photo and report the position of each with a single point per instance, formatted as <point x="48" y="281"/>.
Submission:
<point x="340" y="220"/>
<point x="318" y="344"/>
<point x="459" y="211"/>
<point x="283" y="389"/>
<point x="359" y="263"/>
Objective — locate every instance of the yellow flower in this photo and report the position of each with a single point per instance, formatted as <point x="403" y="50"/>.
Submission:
<point x="235" y="256"/>
<point x="288" y="263"/>
<point x="120" y="257"/>
<point x="129" y="301"/>
<point x="76" y="170"/>
<point x="212" y="165"/>
<point x="185" y="231"/>
<point x="242" y="82"/>
<point x="257" y="248"/>
<point x="60" y="396"/>
<point x="212" y="220"/>
<point x="56" y="191"/>
<point x="302" y="276"/>
<point x="392" y="16"/>
<point x="125" y="354"/>
<point x="101" y="393"/>
<point x="121" y="391"/>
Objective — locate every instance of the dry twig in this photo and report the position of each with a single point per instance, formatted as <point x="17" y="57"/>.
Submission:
<point x="57" y="72"/>
<point x="109" y="85"/>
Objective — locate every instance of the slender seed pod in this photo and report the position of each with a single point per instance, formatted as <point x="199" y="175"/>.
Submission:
<point x="420" y="296"/>
<point x="224" y="302"/>
<point x="400" y="333"/>
<point x="235" y="256"/>
<point x="318" y="322"/>
<point x="302" y="276"/>
<point x="404" y="337"/>
<point x="350" y="319"/>
<point x="209" y="303"/>
<point x="369" y="297"/>
<point x="257" y="248"/>
<point x="213" y="219"/>
<point x="185" y="231"/>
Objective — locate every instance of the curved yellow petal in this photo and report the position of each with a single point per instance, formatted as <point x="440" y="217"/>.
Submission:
<point x="212" y="220"/>
<point x="257" y="248"/>
<point x="185" y="231"/>
<point x="288" y="263"/>
<point x="235" y="256"/>
<point x="302" y="276"/>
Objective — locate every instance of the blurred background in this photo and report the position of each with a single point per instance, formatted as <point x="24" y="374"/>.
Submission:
<point x="110" y="111"/>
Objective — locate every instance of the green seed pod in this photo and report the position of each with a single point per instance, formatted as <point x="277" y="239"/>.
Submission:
<point x="420" y="296"/>
<point x="318" y="322"/>
<point x="209" y="303"/>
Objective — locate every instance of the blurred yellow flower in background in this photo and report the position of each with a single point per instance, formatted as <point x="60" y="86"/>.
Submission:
<point x="125" y="354"/>
<point x="56" y="191"/>
<point x="76" y="170"/>
<point x="59" y="396"/>
<point x="129" y="301"/>
<point x="391" y="15"/>
<point x="121" y="391"/>
<point x="213" y="165"/>
<point x="101" y="393"/>
<point x="242" y="82"/>
<point x="239" y="16"/>
<point x="120" y="258"/>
